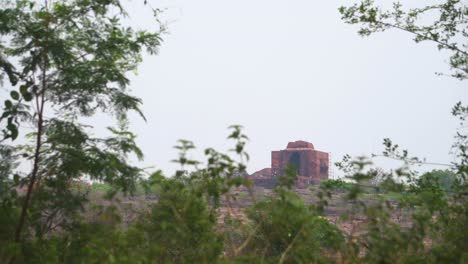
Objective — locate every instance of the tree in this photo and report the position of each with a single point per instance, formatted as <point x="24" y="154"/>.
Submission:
<point x="449" y="30"/>
<point x="437" y="200"/>
<point x="64" y="60"/>
<point x="286" y="230"/>
<point x="180" y="227"/>
<point x="444" y="178"/>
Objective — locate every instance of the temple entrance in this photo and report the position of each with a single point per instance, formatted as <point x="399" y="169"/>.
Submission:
<point x="295" y="160"/>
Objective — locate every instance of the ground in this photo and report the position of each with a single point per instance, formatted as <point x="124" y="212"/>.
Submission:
<point x="338" y="211"/>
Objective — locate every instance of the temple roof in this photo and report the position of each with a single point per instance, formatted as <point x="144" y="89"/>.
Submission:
<point x="300" y="144"/>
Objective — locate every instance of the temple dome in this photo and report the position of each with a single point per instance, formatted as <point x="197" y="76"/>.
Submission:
<point x="299" y="144"/>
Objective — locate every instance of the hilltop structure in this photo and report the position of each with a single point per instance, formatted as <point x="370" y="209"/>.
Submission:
<point x="312" y="165"/>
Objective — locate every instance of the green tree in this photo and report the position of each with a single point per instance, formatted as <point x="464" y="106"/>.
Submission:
<point x="449" y="29"/>
<point x="64" y="60"/>
<point x="182" y="227"/>
<point x="179" y="228"/>
<point x="437" y="200"/>
<point x="286" y="230"/>
<point x="444" y="178"/>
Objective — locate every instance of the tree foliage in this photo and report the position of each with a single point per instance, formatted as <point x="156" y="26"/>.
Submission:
<point x="63" y="60"/>
<point x="449" y="30"/>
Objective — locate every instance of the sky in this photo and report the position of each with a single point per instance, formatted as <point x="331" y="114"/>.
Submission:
<point x="288" y="70"/>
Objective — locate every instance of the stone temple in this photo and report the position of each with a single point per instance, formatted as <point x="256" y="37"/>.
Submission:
<point x="312" y="165"/>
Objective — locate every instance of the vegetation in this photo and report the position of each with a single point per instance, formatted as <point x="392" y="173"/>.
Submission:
<point x="66" y="60"/>
<point x="449" y="31"/>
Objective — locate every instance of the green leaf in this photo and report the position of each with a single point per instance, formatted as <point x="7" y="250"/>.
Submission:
<point x="13" y="130"/>
<point x="5" y="114"/>
<point x="23" y="89"/>
<point x="8" y="104"/>
<point x="27" y="96"/>
<point x="16" y="178"/>
<point x="14" y="95"/>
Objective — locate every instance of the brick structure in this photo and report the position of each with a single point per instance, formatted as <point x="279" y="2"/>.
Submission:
<point x="312" y="165"/>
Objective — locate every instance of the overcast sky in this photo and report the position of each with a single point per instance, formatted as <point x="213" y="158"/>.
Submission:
<point x="288" y="70"/>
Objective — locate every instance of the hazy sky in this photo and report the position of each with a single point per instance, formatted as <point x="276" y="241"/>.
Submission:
<point x="288" y="70"/>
